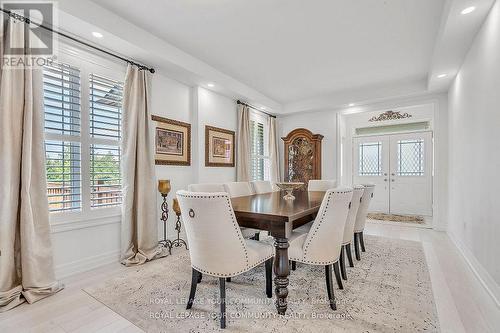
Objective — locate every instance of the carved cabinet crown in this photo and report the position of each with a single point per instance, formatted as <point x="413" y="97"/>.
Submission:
<point x="302" y="153"/>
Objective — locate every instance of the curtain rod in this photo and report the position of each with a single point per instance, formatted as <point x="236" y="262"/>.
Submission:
<point x="253" y="107"/>
<point x="28" y="21"/>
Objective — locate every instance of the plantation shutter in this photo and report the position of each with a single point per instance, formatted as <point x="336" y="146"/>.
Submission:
<point x="61" y="85"/>
<point x="105" y="110"/>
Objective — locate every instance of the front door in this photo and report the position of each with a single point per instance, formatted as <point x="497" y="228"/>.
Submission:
<point x="400" y="166"/>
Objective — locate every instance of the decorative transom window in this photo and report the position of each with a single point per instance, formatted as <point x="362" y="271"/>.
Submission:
<point x="410" y="157"/>
<point x="82" y="138"/>
<point x="370" y="159"/>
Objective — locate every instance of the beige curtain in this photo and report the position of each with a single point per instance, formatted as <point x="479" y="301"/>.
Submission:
<point x="243" y="152"/>
<point x="139" y="218"/>
<point x="274" y="158"/>
<point x="26" y="266"/>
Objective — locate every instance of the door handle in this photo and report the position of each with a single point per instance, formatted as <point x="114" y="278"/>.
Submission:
<point x="385" y="173"/>
<point x="393" y="174"/>
<point x="385" y="179"/>
<point x="392" y="180"/>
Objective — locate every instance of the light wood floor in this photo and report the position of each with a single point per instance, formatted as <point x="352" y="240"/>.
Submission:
<point x="462" y="304"/>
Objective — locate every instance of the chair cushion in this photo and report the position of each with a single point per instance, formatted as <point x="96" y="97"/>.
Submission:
<point x="248" y="232"/>
<point x="296" y="248"/>
<point x="305" y="227"/>
<point x="258" y="252"/>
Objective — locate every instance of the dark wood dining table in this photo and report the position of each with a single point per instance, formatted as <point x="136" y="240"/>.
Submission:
<point x="270" y="212"/>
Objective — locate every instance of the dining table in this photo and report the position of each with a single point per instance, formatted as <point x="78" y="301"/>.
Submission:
<point x="271" y="212"/>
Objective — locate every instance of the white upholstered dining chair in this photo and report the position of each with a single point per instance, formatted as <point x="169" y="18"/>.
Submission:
<point x="349" y="229"/>
<point x="216" y="245"/>
<point x="238" y="189"/>
<point x="321" y="185"/>
<point x="207" y="187"/>
<point x="359" y="225"/>
<point x="322" y="244"/>
<point x="241" y="189"/>
<point x="262" y="186"/>
<point x="218" y="187"/>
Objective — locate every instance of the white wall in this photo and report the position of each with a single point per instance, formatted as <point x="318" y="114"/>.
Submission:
<point x="86" y="244"/>
<point x="324" y="123"/>
<point x="218" y="111"/>
<point x="474" y="141"/>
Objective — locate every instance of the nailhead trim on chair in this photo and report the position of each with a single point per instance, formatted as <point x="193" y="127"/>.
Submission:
<point x="236" y="226"/>
<point x="316" y="229"/>
<point x="249" y="267"/>
<point x="314" y="262"/>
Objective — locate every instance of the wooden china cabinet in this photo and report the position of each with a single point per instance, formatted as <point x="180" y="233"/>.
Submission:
<point x="302" y="155"/>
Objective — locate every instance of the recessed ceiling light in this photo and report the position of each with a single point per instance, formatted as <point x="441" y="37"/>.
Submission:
<point x="351" y="104"/>
<point x="468" y="10"/>
<point x="210" y="85"/>
<point x="440" y="76"/>
<point x="97" y="34"/>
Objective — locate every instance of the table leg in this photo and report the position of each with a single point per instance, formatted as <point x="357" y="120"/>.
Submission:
<point x="281" y="272"/>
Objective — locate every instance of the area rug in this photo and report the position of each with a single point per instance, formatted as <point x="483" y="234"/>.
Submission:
<point x="396" y="218"/>
<point x="389" y="290"/>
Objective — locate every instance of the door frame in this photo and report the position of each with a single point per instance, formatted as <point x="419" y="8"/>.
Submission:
<point x="437" y="115"/>
<point x="354" y="153"/>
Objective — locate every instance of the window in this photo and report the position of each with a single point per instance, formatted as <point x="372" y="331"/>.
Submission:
<point x="82" y="137"/>
<point x="410" y="158"/>
<point x="105" y="127"/>
<point x="370" y="159"/>
<point x="61" y="91"/>
<point x="259" y="162"/>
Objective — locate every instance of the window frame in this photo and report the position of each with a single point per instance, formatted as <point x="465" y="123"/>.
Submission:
<point x="87" y="63"/>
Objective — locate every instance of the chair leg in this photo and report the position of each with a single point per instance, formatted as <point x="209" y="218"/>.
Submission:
<point x="342" y="263"/>
<point x="228" y="279"/>
<point x="194" y="282"/>
<point x="257" y="236"/>
<point x="294" y="265"/>
<point x="337" y="275"/>
<point x="269" y="278"/>
<point x="349" y="254"/>
<point x="356" y="246"/>
<point x="362" y="241"/>
<point x="222" y="285"/>
<point x="329" y="288"/>
<point x="200" y="276"/>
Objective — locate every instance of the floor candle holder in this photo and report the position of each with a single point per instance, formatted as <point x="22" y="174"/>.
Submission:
<point x="178" y="242"/>
<point x="164" y="188"/>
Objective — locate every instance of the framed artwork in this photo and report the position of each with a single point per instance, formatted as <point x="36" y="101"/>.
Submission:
<point x="172" y="142"/>
<point x="219" y="147"/>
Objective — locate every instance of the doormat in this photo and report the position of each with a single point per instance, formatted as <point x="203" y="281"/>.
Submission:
<point x="396" y="218"/>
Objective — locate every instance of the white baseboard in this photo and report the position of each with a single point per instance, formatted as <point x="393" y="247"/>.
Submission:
<point x="491" y="287"/>
<point x="87" y="264"/>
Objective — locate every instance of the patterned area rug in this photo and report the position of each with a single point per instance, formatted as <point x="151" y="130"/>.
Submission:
<point x="396" y="218"/>
<point x="389" y="290"/>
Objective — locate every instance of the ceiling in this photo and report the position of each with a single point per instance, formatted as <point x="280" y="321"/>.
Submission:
<point x="293" y="50"/>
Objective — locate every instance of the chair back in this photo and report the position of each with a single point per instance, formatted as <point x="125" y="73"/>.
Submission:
<point x="262" y="186"/>
<point x="324" y="240"/>
<point x="359" y="226"/>
<point x="238" y="189"/>
<point x="208" y="187"/>
<point x="216" y="245"/>
<point x="357" y="193"/>
<point x="321" y="185"/>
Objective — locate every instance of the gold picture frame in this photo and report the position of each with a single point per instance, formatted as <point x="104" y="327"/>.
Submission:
<point x="219" y="147"/>
<point x="172" y="142"/>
